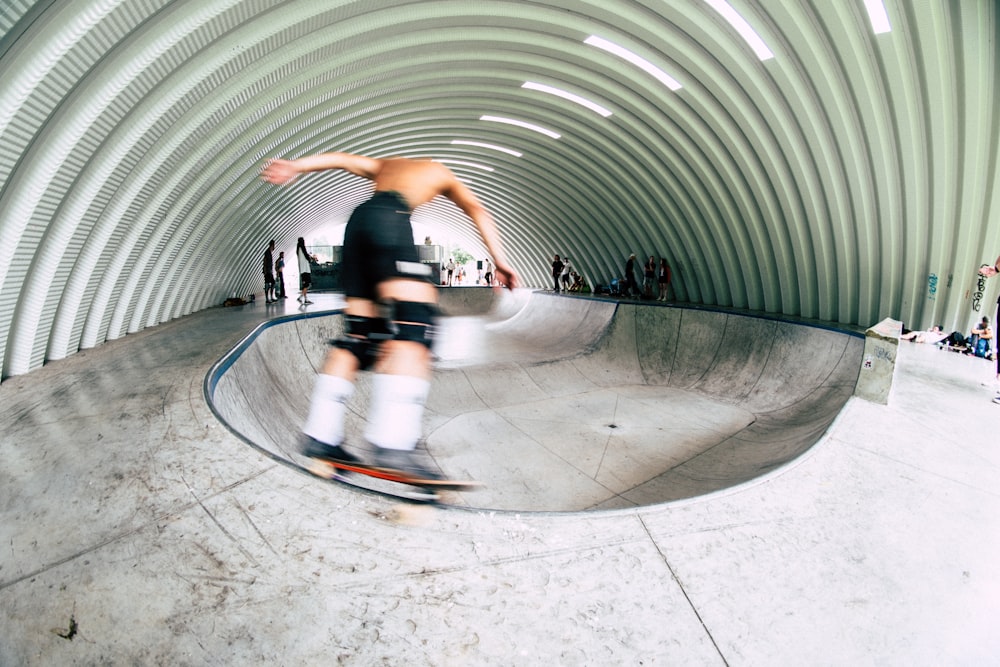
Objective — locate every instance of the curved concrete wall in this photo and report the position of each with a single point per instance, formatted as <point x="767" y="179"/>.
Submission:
<point x="572" y="403"/>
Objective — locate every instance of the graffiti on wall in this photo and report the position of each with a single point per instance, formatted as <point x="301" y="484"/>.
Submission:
<point x="977" y="295"/>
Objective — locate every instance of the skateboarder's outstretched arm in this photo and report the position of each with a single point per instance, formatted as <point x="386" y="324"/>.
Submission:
<point x="464" y="198"/>
<point x="417" y="181"/>
<point x="280" y="172"/>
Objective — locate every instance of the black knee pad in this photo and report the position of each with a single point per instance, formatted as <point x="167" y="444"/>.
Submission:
<point x="414" y="321"/>
<point x="362" y="337"/>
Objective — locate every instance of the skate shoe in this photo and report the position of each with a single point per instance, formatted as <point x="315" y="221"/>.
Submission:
<point x="405" y="461"/>
<point x="323" y="457"/>
<point x="315" y="449"/>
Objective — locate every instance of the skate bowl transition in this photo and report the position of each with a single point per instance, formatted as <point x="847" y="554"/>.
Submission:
<point x="563" y="404"/>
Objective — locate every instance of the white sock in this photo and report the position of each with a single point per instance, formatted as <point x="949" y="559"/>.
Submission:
<point x="396" y="411"/>
<point x="326" y="411"/>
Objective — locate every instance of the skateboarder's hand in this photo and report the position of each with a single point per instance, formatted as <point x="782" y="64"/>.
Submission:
<point x="505" y="277"/>
<point x="279" y="172"/>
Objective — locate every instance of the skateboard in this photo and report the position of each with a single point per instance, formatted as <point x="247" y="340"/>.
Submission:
<point x="333" y="469"/>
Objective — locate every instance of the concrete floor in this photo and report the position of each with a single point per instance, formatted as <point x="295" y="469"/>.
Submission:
<point x="136" y="529"/>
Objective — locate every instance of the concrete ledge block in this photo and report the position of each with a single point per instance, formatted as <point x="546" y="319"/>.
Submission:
<point x="878" y="364"/>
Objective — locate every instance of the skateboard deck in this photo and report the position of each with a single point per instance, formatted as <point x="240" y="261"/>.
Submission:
<point x="329" y="469"/>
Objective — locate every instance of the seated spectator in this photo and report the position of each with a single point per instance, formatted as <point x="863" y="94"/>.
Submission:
<point x="979" y="340"/>
<point x="935" y="335"/>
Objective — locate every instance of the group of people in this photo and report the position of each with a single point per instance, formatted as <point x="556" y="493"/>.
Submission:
<point x="564" y="276"/>
<point x="452" y="274"/>
<point x="654" y="276"/>
<point x="980" y="342"/>
<point x="274" y="273"/>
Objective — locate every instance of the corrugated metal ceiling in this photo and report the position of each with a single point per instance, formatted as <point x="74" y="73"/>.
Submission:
<point x="850" y="177"/>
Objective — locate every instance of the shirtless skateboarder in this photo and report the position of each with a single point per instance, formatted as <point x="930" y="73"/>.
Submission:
<point x="382" y="273"/>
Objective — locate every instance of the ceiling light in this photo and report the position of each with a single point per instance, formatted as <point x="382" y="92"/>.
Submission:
<point x="582" y="101"/>
<point x="878" y="16"/>
<point x="521" y="123"/>
<point x="638" y="61"/>
<point x="741" y="26"/>
<point x="463" y="163"/>
<point x="494" y="147"/>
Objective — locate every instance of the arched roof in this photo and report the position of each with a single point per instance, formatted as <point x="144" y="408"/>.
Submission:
<point x="847" y="175"/>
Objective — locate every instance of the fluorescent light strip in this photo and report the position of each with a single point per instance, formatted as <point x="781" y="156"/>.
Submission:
<point x="462" y="163"/>
<point x="638" y="61"/>
<point x="521" y="123"/>
<point x="479" y="144"/>
<point x="741" y="26"/>
<point x="582" y="101"/>
<point x="878" y="16"/>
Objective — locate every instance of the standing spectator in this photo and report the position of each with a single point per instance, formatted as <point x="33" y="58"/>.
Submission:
<point x="631" y="287"/>
<point x="451" y="270"/>
<point x="989" y="272"/>
<point x="305" y="271"/>
<point x="488" y="273"/>
<point x="663" y="278"/>
<point x="557" y="267"/>
<point x="279" y="276"/>
<point x="648" y="278"/>
<point x="566" y="280"/>
<point x="269" y="273"/>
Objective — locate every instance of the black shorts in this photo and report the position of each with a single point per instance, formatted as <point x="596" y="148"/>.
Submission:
<point x="268" y="279"/>
<point x="378" y="245"/>
<point x="305" y="280"/>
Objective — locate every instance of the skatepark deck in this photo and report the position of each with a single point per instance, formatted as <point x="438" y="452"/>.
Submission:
<point x="131" y="516"/>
